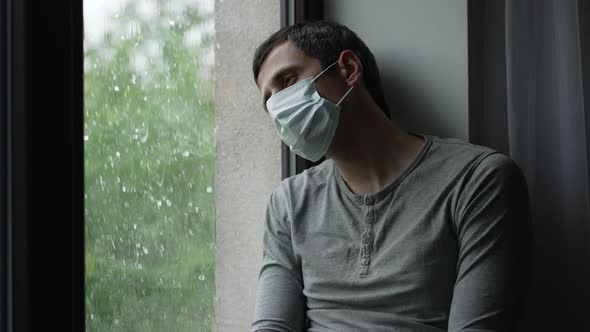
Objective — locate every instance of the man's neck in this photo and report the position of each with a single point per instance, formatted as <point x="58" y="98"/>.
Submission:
<point x="371" y="152"/>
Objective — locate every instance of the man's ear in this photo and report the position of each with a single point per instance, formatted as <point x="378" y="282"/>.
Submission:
<point x="351" y="68"/>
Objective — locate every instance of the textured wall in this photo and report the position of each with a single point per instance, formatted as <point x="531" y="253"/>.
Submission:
<point x="421" y="50"/>
<point x="248" y="157"/>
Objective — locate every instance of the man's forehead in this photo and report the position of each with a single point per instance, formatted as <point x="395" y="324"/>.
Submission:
<point x="282" y="56"/>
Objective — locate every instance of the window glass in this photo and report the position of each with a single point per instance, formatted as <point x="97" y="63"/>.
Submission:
<point x="149" y="165"/>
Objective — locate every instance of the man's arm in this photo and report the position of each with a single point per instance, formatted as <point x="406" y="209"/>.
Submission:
<point x="494" y="236"/>
<point x="280" y="303"/>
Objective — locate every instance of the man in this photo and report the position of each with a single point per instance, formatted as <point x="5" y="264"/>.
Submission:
<point x="395" y="231"/>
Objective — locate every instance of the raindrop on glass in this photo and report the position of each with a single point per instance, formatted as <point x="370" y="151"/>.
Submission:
<point x="144" y="137"/>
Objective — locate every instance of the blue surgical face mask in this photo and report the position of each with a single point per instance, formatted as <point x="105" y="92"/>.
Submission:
<point x="305" y="120"/>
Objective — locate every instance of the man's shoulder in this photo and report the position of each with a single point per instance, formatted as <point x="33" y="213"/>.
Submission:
<point x="478" y="163"/>
<point x="452" y="160"/>
<point x="459" y="146"/>
<point x="311" y="179"/>
<point x="458" y="153"/>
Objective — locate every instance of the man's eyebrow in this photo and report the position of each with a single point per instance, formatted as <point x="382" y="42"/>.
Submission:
<point x="282" y="72"/>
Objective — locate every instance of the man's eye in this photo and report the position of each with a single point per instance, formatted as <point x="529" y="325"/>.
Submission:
<point x="290" y="80"/>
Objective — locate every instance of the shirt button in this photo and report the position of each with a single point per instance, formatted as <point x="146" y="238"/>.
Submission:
<point x="369" y="200"/>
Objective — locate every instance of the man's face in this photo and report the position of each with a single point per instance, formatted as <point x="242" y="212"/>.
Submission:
<point x="286" y="65"/>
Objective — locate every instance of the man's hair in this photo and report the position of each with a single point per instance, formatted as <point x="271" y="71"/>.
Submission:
<point x="325" y="41"/>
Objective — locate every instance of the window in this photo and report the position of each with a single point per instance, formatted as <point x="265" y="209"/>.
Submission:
<point x="149" y="165"/>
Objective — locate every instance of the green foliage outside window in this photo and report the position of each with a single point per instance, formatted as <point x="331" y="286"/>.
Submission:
<point x="149" y="171"/>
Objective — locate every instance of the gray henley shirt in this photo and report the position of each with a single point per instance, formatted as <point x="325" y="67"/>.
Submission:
<point x="443" y="247"/>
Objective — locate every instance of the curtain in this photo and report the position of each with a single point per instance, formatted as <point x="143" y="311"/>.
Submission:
<point x="536" y="78"/>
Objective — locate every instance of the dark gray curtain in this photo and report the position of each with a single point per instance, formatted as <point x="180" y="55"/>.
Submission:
<point x="536" y="78"/>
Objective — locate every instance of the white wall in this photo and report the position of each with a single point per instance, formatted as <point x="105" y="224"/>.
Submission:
<point x="421" y="51"/>
<point x="248" y="157"/>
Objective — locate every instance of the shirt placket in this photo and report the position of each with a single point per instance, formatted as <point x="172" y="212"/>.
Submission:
<point x="367" y="237"/>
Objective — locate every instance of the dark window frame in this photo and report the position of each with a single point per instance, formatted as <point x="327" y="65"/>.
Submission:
<point x="476" y="13"/>
<point x="42" y="201"/>
<point x="4" y="105"/>
<point x="292" y="12"/>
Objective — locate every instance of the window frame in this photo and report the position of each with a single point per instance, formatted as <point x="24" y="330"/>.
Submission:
<point x="292" y="12"/>
<point x="42" y="156"/>
<point x="4" y="105"/>
<point x="476" y="13"/>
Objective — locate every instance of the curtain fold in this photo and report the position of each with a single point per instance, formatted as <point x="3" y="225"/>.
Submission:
<point x="536" y="109"/>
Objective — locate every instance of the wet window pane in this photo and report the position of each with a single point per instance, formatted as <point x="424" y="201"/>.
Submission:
<point x="149" y="165"/>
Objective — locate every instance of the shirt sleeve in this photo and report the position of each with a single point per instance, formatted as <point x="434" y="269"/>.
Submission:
<point x="280" y="303"/>
<point x="494" y="236"/>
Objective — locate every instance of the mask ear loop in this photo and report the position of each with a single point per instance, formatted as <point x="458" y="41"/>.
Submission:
<point x="346" y="94"/>
<point x="323" y="71"/>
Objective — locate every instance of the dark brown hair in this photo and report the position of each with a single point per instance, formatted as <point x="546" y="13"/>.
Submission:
<point x="325" y="41"/>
